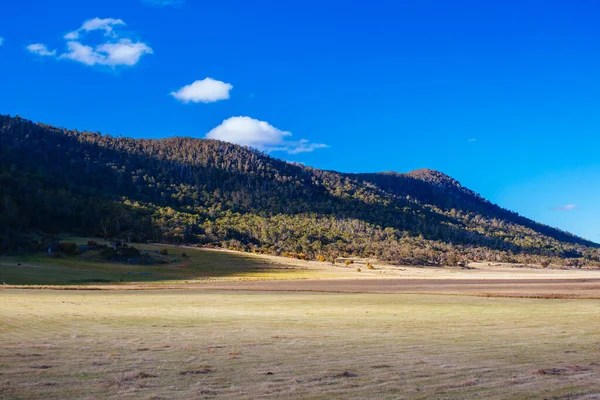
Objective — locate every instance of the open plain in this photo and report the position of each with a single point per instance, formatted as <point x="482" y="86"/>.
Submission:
<point x="265" y="327"/>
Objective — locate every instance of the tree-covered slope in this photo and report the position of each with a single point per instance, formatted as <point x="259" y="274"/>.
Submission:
<point x="55" y="180"/>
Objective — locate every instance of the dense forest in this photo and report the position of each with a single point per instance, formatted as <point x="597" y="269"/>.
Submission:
<point x="207" y="192"/>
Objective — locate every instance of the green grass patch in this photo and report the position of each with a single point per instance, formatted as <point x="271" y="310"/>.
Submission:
<point x="89" y="268"/>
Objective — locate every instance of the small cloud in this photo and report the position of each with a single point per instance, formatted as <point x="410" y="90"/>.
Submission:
<point x="40" y="50"/>
<point x="1" y="40"/>
<point x="113" y="51"/>
<point x="207" y="90"/>
<point x="124" y="52"/>
<point x="163" y="3"/>
<point x="261" y="135"/>
<point x="94" y="24"/>
<point x="303" y="146"/>
<point x="566" y="207"/>
<point x="471" y="140"/>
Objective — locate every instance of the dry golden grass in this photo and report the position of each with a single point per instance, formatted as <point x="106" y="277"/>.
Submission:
<point x="235" y="344"/>
<point x="173" y="331"/>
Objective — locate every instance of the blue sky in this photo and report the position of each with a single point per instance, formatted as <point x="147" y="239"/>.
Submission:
<point x="501" y="95"/>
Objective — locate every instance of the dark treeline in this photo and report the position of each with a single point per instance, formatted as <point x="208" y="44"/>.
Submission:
<point x="183" y="190"/>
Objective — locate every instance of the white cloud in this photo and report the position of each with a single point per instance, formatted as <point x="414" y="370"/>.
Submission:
<point x="304" y="146"/>
<point x="105" y="24"/>
<point x="1" y="41"/>
<point x="566" y="207"/>
<point x="82" y="54"/>
<point x="124" y="52"/>
<point x="40" y="50"/>
<point x="207" y="90"/>
<point x="112" y="51"/>
<point x="261" y="135"/>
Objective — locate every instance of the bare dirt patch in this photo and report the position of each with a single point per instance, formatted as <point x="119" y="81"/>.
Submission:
<point x="517" y="288"/>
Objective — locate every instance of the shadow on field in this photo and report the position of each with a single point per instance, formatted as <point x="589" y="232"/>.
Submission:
<point x="176" y="266"/>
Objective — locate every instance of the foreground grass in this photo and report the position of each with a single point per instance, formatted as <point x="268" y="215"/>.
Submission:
<point x="203" y="344"/>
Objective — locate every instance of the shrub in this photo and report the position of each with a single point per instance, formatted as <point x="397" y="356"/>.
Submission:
<point x="369" y="266"/>
<point x="348" y="262"/>
<point x="321" y="258"/>
<point x="130" y="252"/>
<point x="92" y="243"/>
<point x="184" y="255"/>
<point x="107" y="253"/>
<point x="68" y="248"/>
<point x="298" y="256"/>
<point x="164" y="252"/>
<point x="34" y="246"/>
<point x="545" y="263"/>
<point x="358" y="269"/>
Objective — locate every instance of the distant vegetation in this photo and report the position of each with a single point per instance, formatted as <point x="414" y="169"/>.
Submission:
<point x="183" y="190"/>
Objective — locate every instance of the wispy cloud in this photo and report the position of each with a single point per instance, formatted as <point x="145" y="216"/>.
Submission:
<point x="105" y="24"/>
<point x="163" y="3"/>
<point x="207" y="90"/>
<point x="1" y="40"/>
<point x="40" y="50"/>
<point x="471" y="140"/>
<point x="261" y="135"/>
<point x="113" y="50"/>
<point x="566" y="207"/>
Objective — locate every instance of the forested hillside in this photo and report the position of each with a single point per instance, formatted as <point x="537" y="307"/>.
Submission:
<point x="184" y="190"/>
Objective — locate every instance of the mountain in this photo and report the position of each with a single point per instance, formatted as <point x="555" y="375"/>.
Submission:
<point x="54" y="180"/>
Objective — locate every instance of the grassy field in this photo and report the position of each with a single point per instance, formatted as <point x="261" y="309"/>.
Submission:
<point x="220" y="324"/>
<point x="199" y="264"/>
<point x="235" y="344"/>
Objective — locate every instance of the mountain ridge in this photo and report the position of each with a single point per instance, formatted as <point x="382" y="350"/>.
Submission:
<point x="204" y="191"/>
